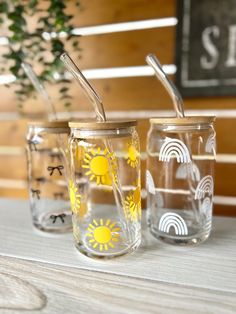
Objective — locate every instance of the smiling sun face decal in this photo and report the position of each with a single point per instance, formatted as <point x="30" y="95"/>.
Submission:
<point x="133" y="155"/>
<point x="103" y="236"/>
<point x="74" y="198"/>
<point x="133" y="205"/>
<point x="99" y="164"/>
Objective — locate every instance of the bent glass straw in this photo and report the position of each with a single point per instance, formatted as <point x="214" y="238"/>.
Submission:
<point x="40" y="89"/>
<point x="90" y="92"/>
<point x="101" y="116"/>
<point x="173" y="92"/>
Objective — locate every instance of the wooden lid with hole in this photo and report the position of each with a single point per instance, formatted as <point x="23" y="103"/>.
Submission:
<point x="106" y="125"/>
<point x="49" y="124"/>
<point x="190" y="120"/>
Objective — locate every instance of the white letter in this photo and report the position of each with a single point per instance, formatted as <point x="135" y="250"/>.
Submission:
<point x="210" y="61"/>
<point x="231" y="61"/>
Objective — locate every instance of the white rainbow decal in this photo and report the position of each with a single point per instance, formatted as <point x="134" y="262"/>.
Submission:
<point x="206" y="206"/>
<point x="211" y="144"/>
<point x="150" y="183"/>
<point x="182" y="172"/>
<point x="169" y="220"/>
<point x="176" y="148"/>
<point x="205" y="186"/>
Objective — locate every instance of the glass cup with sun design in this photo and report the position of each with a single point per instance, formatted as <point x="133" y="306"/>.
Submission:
<point x="46" y="165"/>
<point x="180" y="178"/>
<point x="105" y="187"/>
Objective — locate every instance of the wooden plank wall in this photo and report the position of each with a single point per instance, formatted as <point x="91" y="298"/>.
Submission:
<point x="138" y="96"/>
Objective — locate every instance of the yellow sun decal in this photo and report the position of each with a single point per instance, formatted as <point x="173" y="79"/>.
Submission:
<point x="103" y="236"/>
<point x="99" y="164"/>
<point x="133" y="205"/>
<point x="74" y="197"/>
<point x="133" y="155"/>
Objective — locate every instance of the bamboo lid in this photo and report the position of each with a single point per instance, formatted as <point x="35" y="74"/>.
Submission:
<point x="107" y="125"/>
<point x="184" y="121"/>
<point x="49" y="124"/>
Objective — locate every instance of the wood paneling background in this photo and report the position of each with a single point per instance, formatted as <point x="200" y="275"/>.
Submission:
<point x="136" y="97"/>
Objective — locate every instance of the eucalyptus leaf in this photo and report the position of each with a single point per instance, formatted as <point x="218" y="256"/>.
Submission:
<point x="29" y="45"/>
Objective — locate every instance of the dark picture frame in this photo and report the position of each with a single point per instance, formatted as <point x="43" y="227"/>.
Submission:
<point x="206" y="47"/>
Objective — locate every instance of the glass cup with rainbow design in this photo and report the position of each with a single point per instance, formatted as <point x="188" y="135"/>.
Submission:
<point x="180" y="178"/>
<point x="105" y="187"/>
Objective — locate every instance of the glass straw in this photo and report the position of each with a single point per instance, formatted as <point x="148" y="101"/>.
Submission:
<point x="168" y="84"/>
<point x="52" y="115"/>
<point x="84" y="83"/>
<point x="40" y="89"/>
<point x="101" y="116"/>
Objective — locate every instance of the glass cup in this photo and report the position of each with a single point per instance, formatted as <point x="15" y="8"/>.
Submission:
<point x="48" y="190"/>
<point x="180" y="178"/>
<point x="105" y="187"/>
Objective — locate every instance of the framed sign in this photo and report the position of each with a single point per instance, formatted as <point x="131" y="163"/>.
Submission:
<point x="206" y="47"/>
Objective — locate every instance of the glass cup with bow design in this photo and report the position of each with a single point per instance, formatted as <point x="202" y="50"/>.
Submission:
<point x="46" y="163"/>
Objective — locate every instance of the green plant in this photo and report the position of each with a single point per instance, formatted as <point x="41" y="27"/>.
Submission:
<point x="24" y="43"/>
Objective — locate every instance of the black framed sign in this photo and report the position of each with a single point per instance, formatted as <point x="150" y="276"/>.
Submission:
<point x="206" y="47"/>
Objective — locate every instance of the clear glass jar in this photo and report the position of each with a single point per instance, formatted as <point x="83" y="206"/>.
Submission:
<point x="48" y="190"/>
<point x="180" y="178"/>
<point x="105" y="187"/>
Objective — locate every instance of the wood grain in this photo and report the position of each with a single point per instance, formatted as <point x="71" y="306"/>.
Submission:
<point x="64" y="289"/>
<point x="224" y="127"/>
<point x="118" y="94"/>
<point x="13" y="133"/>
<point x="224" y="210"/>
<point x="136" y="93"/>
<point x="22" y="193"/>
<point x="121" y="94"/>
<point x="96" y="12"/>
<point x="14" y="193"/>
<point x="13" y="166"/>
<point x="45" y="272"/>
<point x="104" y="51"/>
<point x="18" y="294"/>
<point x="225" y="179"/>
<point x="127" y="48"/>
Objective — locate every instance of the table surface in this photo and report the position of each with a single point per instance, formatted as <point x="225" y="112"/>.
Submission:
<point x="45" y="274"/>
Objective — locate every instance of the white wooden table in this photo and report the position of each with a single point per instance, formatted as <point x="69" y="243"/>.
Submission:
<point x="42" y="274"/>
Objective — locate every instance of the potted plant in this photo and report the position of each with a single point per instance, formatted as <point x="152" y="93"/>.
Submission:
<point x="37" y="32"/>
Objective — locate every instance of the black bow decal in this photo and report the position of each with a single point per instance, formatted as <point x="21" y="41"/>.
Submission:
<point x="36" y="192"/>
<point x="54" y="218"/>
<point x="58" y="168"/>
